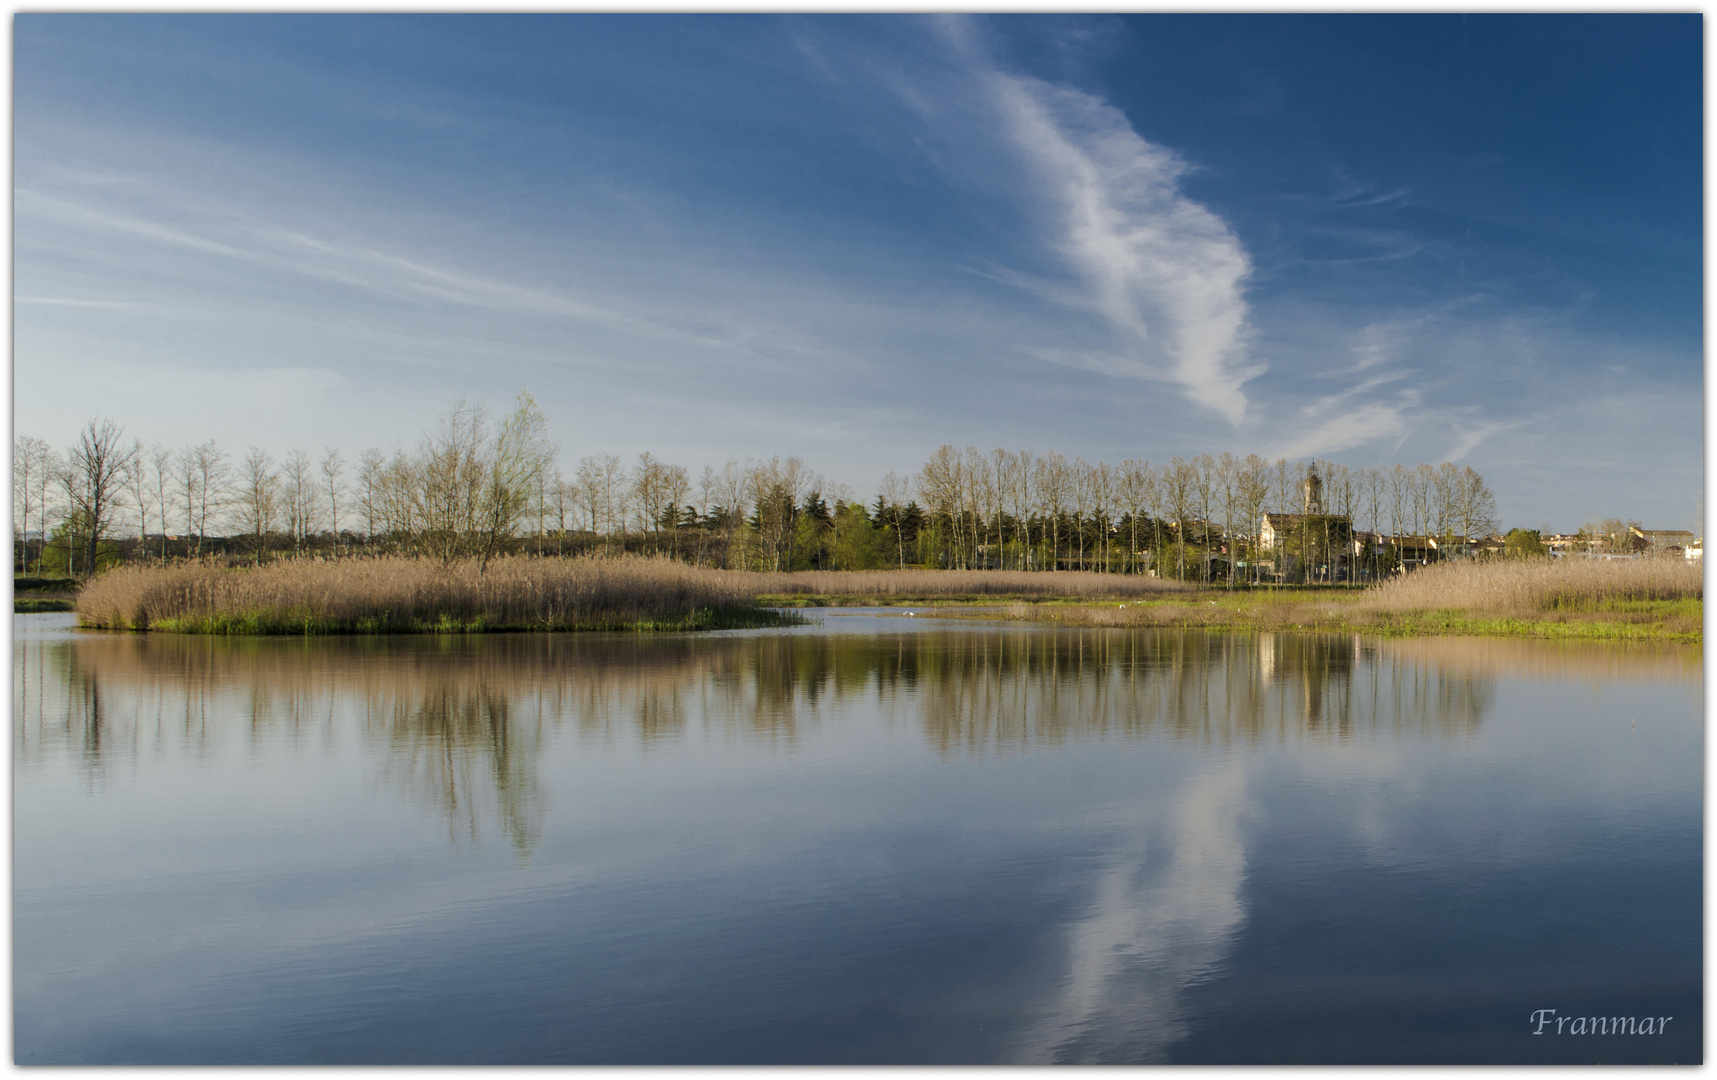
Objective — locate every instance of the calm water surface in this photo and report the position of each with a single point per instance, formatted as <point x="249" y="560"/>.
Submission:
<point x="873" y="840"/>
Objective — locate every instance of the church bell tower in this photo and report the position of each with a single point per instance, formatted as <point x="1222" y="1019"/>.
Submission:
<point x="1313" y="490"/>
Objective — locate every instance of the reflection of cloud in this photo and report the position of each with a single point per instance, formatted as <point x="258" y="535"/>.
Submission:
<point x="1158" y="923"/>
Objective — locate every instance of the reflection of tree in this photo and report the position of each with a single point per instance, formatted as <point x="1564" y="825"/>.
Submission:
<point x="457" y="725"/>
<point x="466" y="718"/>
<point x="1008" y="689"/>
<point x="444" y="741"/>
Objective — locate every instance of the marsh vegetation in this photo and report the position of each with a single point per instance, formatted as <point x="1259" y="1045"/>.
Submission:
<point x="401" y="594"/>
<point x="1644" y="598"/>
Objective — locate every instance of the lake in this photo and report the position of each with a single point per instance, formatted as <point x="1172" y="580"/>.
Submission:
<point x="876" y="839"/>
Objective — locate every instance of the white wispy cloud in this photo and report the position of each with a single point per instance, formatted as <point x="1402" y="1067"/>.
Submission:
<point x="257" y="241"/>
<point x="1166" y="272"/>
<point x="1352" y="426"/>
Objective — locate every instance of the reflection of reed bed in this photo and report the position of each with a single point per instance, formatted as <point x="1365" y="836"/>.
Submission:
<point x="428" y="696"/>
<point x="604" y="686"/>
<point x="397" y="594"/>
<point x="1584" y="661"/>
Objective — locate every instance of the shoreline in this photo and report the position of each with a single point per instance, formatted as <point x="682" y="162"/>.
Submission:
<point x="413" y="596"/>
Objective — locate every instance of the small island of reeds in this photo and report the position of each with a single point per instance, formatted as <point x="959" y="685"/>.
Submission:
<point x="403" y="595"/>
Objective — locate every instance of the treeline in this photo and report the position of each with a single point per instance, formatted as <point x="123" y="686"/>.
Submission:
<point x="478" y="486"/>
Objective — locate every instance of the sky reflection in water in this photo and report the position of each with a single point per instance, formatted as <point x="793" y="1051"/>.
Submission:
<point x="875" y="840"/>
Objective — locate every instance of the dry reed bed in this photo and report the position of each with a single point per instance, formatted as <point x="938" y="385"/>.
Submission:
<point x="403" y="594"/>
<point x="1533" y="585"/>
<point x="915" y="584"/>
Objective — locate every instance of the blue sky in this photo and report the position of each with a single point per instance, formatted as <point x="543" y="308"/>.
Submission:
<point x="853" y="238"/>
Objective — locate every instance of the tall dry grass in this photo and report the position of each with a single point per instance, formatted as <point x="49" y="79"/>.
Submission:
<point x="1533" y="585"/>
<point x="401" y="594"/>
<point x="888" y="584"/>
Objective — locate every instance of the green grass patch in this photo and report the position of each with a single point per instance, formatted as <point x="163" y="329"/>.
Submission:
<point x="828" y="600"/>
<point x="37" y="605"/>
<point x="1621" y="620"/>
<point x="284" y="623"/>
<point x="1426" y="623"/>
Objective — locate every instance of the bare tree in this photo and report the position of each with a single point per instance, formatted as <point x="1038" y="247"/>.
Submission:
<point x="298" y="489"/>
<point x="599" y="479"/>
<point x="676" y="486"/>
<point x="513" y="464"/>
<point x="1053" y="483"/>
<point x="160" y="479"/>
<point x="334" y="489"/>
<point x="1400" y="495"/>
<point x="32" y="472"/>
<point x="777" y="490"/>
<point x="1103" y="484"/>
<point x="259" y="495"/>
<point x="565" y="503"/>
<point x="1445" y="497"/>
<point x="1475" y="505"/>
<point x="1373" y="494"/>
<point x="1135" y="486"/>
<point x="1225" y="480"/>
<point x="895" y="493"/>
<point x="649" y="492"/>
<point x="371" y="465"/>
<point x="186" y="478"/>
<point x="213" y="480"/>
<point x="940" y="484"/>
<point x="137" y="490"/>
<point x="1023" y="492"/>
<point x="730" y="492"/>
<point x="98" y="464"/>
<point x="1284" y="485"/>
<point x="1177" y="489"/>
<point x="400" y="500"/>
<point x="1252" y="489"/>
<point x="1421" y="490"/>
<point x="452" y="475"/>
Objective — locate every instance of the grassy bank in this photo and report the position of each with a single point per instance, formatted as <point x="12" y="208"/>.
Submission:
<point x="893" y="588"/>
<point x="35" y="594"/>
<point x="1642" y="600"/>
<point x="400" y="595"/>
<point x="1638" y="600"/>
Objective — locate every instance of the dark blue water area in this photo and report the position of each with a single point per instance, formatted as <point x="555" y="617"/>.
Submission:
<point x="945" y="846"/>
<point x="1351" y="962"/>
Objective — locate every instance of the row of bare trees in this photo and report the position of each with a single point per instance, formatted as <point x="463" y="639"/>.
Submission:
<point x="473" y="486"/>
<point x="1022" y="510"/>
<point x="463" y="492"/>
<point x="476" y="485"/>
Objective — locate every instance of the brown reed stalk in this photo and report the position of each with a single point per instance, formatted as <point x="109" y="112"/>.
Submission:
<point x="400" y="593"/>
<point x="1534" y="585"/>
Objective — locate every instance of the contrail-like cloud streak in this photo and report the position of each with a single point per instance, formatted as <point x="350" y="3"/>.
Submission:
<point x="1164" y="270"/>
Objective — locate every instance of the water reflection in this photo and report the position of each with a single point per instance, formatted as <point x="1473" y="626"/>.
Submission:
<point x="463" y="721"/>
<point x="992" y="691"/>
<point x="1165" y="907"/>
<point x="458" y="716"/>
<point x="1143" y="761"/>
